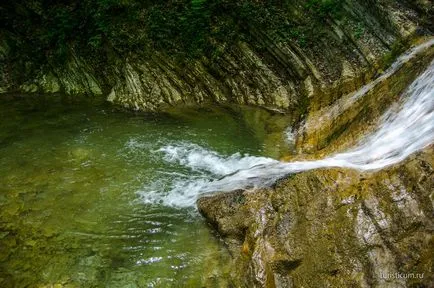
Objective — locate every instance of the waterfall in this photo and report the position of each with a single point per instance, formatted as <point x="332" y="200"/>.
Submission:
<point x="402" y="132"/>
<point x="347" y="101"/>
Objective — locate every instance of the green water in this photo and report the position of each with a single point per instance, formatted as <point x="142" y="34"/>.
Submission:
<point x="70" y="214"/>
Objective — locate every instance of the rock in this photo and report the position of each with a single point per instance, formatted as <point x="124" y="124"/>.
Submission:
<point x="281" y="75"/>
<point x="228" y="219"/>
<point x="80" y="154"/>
<point x="332" y="228"/>
<point x="341" y="124"/>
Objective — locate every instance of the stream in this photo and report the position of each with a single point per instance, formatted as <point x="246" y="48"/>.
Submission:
<point x="94" y="197"/>
<point x="407" y="127"/>
<point x="73" y="181"/>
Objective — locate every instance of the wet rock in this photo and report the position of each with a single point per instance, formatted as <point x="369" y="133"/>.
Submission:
<point x="332" y="228"/>
<point x="80" y="154"/>
<point x="225" y="214"/>
<point x="341" y="124"/>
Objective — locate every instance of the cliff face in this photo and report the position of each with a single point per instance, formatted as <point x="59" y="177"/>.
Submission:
<point x="264" y="71"/>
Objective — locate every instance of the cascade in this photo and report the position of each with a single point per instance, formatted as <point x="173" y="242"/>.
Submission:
<point x="404" y="129"/>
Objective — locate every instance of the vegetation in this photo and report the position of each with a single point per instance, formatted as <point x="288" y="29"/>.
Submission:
<point x="397" y="49"/>
<point x="48" y="29"/>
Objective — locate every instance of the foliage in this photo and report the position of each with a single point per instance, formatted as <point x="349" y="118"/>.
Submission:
<point x="325" y="8"/>
<point x="358" y="32"/>
<point x="49" y="29"/>
<point x="397" y="49"/>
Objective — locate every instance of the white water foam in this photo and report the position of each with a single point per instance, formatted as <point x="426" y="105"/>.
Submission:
<point x="200" y="159"/>
<point x="404" y="131"/>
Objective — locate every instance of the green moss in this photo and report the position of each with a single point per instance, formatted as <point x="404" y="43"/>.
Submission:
<point x="358" y="32"/>
<point x="240" y="199"/>
<point x="397" y="49"/>
<point x="325" y="8"/>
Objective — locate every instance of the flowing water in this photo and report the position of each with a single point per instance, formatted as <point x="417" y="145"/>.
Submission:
<point x="71" y="179"/>
<point x="346" y="102"/>
<point x="406" y="128"/>
<point x="91" y="197"/>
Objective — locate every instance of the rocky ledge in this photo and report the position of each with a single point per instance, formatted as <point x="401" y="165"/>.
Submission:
<point x="332" y="228"/>
<point x="336" y="227"/>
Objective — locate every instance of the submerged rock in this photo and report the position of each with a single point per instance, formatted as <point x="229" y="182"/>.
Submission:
<point x="332" y="228"/>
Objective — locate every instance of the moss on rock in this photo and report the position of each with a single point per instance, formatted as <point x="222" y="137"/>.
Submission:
<point x="332" y="227"/>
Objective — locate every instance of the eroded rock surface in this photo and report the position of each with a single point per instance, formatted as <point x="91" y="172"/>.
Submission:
<point x="332" y="228"/>
<point x="284" y="76"/>
<point x="341" y="124"/>
<point x="336" y="227"/>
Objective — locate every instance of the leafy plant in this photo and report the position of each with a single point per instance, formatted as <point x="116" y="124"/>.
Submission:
<point x="358" y="32"/>
<point x="325" y="8"/>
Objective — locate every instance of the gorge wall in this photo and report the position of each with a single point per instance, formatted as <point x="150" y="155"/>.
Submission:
<point x="321" y="228"/>
<point x="313" y="66"/>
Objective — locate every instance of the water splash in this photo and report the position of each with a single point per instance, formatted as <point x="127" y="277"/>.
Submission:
<point x="403" y="131"/>
<point x="200" y="159"/>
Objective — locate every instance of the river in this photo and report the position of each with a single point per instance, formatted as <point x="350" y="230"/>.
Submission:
<point x="74" y="176"/>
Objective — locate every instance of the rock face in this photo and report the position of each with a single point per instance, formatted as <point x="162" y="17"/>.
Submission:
<point x="336" y="227"/>
<point x="339" y="124"/>
<point x="283" y="76"/>
<point x="332" y="228"/>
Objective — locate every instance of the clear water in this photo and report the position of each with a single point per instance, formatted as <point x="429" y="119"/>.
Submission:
<point x="72" y="177"/>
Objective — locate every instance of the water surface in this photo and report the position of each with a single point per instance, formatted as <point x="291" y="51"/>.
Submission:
<point x="72" y="180"/>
